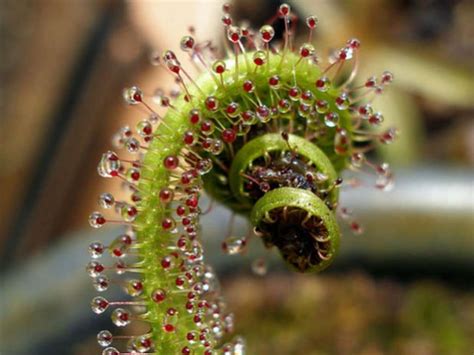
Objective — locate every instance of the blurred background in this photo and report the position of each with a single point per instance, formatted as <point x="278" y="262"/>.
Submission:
<point x="406" y="286"/>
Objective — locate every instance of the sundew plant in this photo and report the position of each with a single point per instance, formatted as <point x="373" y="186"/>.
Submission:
<point x="266" y="129"/>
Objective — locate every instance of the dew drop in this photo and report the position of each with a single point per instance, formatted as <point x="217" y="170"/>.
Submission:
<point x="233" y="34"/>
<point x="171" y="162"/>
<point x="312" y="21"/>
<point x="294" y="93"/>
<point x="226" y="20"/>
<point x="387" y="78"/>
<point x="259" y="267"/>
<point x="166" y="195"/>
<point x="356" y="228"/>
<point x="376" y="119"/>
<point x="101" y="283"/>
<point x="284" y="105"/>
<point x="104" y="338"/>
<point x="204" y="166"/>
<point x="158" y="295"/>
<point x="99" y="305"/>
<point x="106" y="200"/>
<point x="94" y="268"/>
<point x="388" y="136"/>
<point x="306" y="50"/>
<point x="219" y="67"/>
<point x="128" y="212"/>
<point x="248" y="118"/>
<point x="120" y="317"/>
<point x="274" y="82"/>
<point x="207" y="128"/>
<point x="263" y="113"/>
<point x="331" y="119"/>
<point x="96" y="249"/>
<point x="383" y="169"/>
<point x="365" y="111"/>
<point x="143" y="343"/>
<point x="133" y="95"/>
<point x="109" y="165"/>
<point x="96" y="220"/>
<point x="322" y="106"/>
<point x="384" y="183"/>
<point x="229" y="135"/>
<point x="233" y="109"/>
<point x="259" y="58"/>
<point x="239" y="346"/>
<point x="187" y="43"/>
<point x="341" y="142"/>
<point x="134" y="288"/>
<point x="133" y="145"/>
<point x="110" y="351"/>
<point x="267" y="33"/>
<point x="323" y="84"/>
<point x="144" y="128"/>
<point x="212" y="104"/>
<point x="371" y="82"/>
<point x="357" y="160"/>
<point x="217" y="147"/>
<point x="234" y="245"/>
<point x="342" y="101"/>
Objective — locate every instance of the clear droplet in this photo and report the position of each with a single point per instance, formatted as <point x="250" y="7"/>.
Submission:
<point x="187" y="43"/>
<point x="312" y="21"/>
<point x="384" y="182"/>
<point x="376" y="119"/>
<point x="234" y="245"/>
<point x="267" y="33"/>
<point x="233" y="34"/>
<point x="101" y="283"/>
<point x="259" y="58"/>
<point x="94" y="268"/>
<point x="133" y="95"/>
<point x="217" y="146"/>
<point x="109" y="165"/>
<point x="143" y="343"/>
<point x="331" y="119"/>
<point x="96" y="249"/>
<point x="104" y="338"/>
<point x="387" y="78"/>
<point x="284" y="106"/>
<point x="306" y="50"/>
<point x="365" y="111"/>
<point x="342" y="101"/>
<point x="120" y="267"/>
<point x="357" y="159"/>
<point x="239" y="346"/>
<point x="144" y="128"/>
<point x="323" y="84"/>
<point x="388" y="136"/>
<point x="219" y="67"/>
<point x="99" y="305"/>
<point x="121" y="317"/>
<point x="322" y="106"/>
<point x="341" y="142"/>
<point x="110" y="351"/>
<point x="128" y="212"/>
<point x="96" y="220"/>
<point x="259" y="267"/>
<point x="204" y="166"/>
<point x="263" y="113"/>
<point x="134" y="288"/>
<point x="106" y="200"/>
